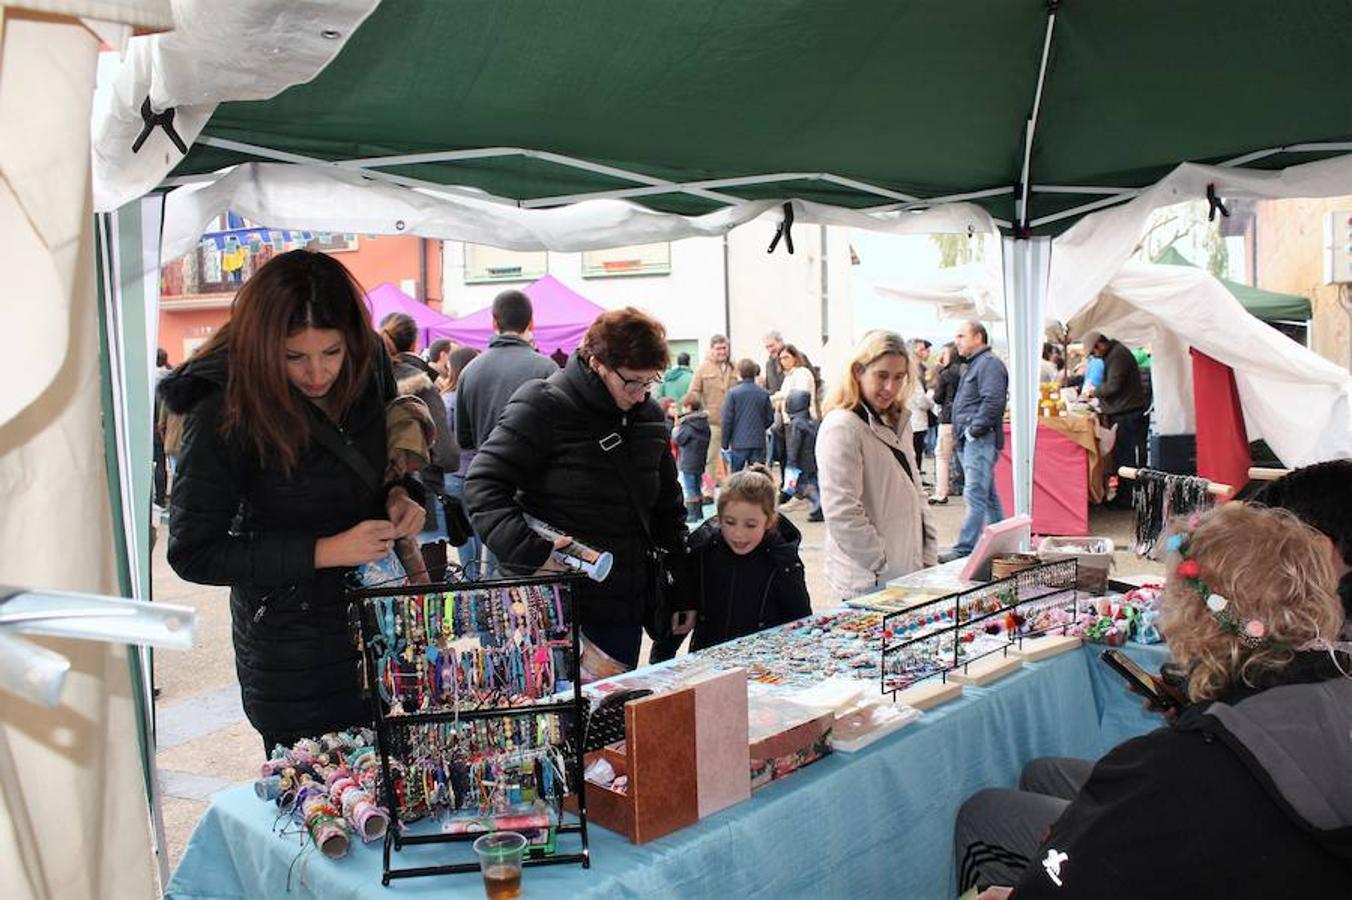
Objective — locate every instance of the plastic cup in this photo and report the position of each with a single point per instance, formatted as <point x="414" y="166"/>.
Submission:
<point x="500" y="862"/>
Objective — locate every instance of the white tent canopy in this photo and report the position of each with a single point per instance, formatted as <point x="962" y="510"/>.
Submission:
<point x="1295" y="400"/>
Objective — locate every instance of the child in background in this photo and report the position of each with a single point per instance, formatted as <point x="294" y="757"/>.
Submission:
<point x="744" y="568"/>
<point x="800" y="472"/>
<point x="692" y="446"/>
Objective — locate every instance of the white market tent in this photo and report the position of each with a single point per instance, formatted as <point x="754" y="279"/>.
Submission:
<point x="570" y="127"/>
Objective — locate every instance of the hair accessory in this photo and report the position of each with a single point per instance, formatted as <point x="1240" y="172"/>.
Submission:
<point x="1252" y="633"/>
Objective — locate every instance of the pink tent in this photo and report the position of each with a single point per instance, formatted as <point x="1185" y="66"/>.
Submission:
<point x="562" y="317"/>
<point x="388" y="299"/>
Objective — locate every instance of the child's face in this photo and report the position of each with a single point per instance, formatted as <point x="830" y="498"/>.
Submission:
<point x="743" y="526"/>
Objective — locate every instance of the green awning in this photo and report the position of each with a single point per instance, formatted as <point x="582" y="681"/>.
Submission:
<point x="896" y="101"/>
<point x="1269" y="306"/>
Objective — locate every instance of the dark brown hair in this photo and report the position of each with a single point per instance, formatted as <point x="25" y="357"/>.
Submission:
<point x="291" y="292"/>
<point x="399" y="332"/>
<point x="747" y="369"/>
<point x="627" y="337"/>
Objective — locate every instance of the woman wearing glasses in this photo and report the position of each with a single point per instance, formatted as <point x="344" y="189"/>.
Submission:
<point x="586" y="451"/>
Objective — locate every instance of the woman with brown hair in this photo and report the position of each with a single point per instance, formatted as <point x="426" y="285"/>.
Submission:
<point x="585" y="450"/>
<point x="279" y="493"/>
<point x="877" y="522"/>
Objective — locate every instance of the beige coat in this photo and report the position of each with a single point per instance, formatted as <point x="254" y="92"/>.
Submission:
<point x="712" y="382"/>
<point x="878" y="524"/>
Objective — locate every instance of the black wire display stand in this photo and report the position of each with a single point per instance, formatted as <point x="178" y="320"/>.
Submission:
<point x="392" y="725"/>
<point x="934" y="630"/>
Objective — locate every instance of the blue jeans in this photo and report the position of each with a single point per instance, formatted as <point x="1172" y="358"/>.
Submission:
<point x="740" y="459"/>
<point x="471" y="550"/>
<point x="979" y="455"/>
<point x="691" y="487"/>
<point x="808" y="490"/>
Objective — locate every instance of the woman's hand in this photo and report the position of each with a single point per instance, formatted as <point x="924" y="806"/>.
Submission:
<point x="362" y="543"/>
<point x="552" y="565"/>
<point x="995" y="892"/>
<point x="407" y="516"/>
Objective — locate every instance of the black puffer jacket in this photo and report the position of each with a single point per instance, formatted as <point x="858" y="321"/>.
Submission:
<point x="296" y="661"/>
<point x="544" y="458"/>
<point x="740" y="595"/>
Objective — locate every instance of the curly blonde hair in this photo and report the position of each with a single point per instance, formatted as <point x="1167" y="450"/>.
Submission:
<point x="1270" y="567"/>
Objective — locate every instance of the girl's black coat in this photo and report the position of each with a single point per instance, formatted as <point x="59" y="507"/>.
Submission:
<point x="296" y="661"/>
<point x="740" y="595"/>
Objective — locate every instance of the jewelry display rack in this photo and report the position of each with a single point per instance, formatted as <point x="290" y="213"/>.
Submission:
<point x="394" y="726"/>
<point x="948" y="634"/>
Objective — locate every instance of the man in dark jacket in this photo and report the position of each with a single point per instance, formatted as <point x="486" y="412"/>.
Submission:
<point x="489" y="381"/>
<point x="692" y="443"/>
<point x="978" y="422"/>
<point x="747" y="414"/>
<point x="565" y="453"/>
<point x="1122" y="399"/>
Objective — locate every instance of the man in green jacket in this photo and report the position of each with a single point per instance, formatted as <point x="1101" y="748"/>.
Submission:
<point x="676" y="381"/>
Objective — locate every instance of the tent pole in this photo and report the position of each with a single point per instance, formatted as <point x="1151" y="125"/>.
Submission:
<point x="1025" y="267"/>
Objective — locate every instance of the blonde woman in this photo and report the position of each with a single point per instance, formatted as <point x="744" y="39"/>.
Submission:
<point x="877" y="522"/>
<point x="1245" y="793"/>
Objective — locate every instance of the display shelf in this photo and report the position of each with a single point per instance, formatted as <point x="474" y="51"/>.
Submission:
<point x="465" y="681"/>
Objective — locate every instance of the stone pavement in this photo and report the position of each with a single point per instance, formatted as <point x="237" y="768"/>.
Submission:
<point x="205" y="744"/>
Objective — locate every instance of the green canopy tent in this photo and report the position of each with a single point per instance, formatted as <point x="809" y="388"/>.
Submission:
<point x="1039" y="111"/>
<point x="1270" y="306"/>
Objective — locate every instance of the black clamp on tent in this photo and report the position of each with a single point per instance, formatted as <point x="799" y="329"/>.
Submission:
<point x="1215" y="203"/>
<point x="784" y="231"/>
<point x="165" y="120"/>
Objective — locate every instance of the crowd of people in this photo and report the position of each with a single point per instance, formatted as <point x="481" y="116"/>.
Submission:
<point x="286" y="481"/>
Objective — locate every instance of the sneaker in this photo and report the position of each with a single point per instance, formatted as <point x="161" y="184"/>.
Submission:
<point x="816" y="517"/>
<point x="952" y="554"/>
<point x="938" y="501"/>
<point x="791" y="505"/>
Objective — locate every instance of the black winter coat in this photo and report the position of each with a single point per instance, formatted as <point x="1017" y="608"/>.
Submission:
<point x="740" y="595"/>
<point x="544" y="458"/>
<point x="801" y="434"/>
<point x="1242" y="798"/>
<point x="692" y="441"/>
<point x="946" y="391"/>
<point x="296" y="661"/>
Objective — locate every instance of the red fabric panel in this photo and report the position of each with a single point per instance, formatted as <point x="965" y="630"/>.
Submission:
<point x="1060" y="483"/>
<point x="1222" y="443"/>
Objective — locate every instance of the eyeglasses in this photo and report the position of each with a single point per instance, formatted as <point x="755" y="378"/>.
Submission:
<point x="638" y="385"/>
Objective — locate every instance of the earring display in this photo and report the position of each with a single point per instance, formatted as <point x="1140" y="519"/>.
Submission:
<point x="952" y="633"/>
<point x="478" y="711"/>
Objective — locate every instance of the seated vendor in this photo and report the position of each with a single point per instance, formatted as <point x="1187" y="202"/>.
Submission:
<point x="1244" y="794"/>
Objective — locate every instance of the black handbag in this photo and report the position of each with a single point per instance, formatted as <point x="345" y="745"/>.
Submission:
<point x="458" y="528"/>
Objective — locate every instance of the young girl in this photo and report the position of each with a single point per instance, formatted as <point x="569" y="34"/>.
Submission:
<point x="744" y="567"/>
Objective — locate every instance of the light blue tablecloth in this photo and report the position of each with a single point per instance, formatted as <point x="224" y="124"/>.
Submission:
<point x="874" y="823"/>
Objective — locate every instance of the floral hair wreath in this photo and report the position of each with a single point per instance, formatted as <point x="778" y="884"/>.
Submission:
<point x="1252" y="633"/>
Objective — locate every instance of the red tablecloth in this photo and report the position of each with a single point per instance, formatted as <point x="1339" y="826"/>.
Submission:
<point x="1060" y="483"/>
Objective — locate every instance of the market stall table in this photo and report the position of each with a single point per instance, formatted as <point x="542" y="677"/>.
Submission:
<point x="881" y="819"/>
<point x="1067" y="475"/>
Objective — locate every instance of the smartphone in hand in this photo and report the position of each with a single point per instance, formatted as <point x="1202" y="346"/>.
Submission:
<point x="1139" y="680"/>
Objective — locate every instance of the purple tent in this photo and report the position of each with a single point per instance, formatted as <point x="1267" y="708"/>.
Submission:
<point x="562" y="317"/>
<point x="388" y="299"/>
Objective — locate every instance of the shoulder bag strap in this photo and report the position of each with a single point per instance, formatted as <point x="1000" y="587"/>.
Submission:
<point x="335" y="443"/>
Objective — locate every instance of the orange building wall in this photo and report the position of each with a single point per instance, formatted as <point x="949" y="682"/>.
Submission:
<point x="375" y="261"/>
